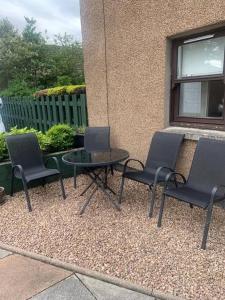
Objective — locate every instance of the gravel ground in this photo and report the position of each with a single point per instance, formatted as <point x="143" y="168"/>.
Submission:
<point x="124" y="244"/>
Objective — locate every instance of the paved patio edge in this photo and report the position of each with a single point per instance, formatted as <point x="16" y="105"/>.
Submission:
<point x="90" y="273"/>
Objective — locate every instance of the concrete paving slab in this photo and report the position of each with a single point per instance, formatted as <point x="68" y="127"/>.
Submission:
<point x="22" y="277"/>
<point x="106" y="291"/>
<point x="68" y="289"/>
<point x="4" y="253"/>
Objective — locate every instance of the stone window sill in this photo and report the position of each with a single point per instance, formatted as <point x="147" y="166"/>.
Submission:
<point x="194" y="134"/>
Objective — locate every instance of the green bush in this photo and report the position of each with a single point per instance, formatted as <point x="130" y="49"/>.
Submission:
<point x="57" y="138"/>
<point x="62" y="90"/>
<point x="17" y="87"/>
<point x="64" y="80"/>
<point x="80" y="130"/>
<point x="3" y="148"/>
<point x="61" y="137"/>
<point x="43" y="140"/>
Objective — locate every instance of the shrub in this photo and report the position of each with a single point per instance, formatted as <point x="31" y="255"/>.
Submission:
<point x="75" y="89"/>
<point x="64" y="80"/>
<point x="43" y="140"/>
<point x="3" y="148"/>
<point x="61" y="90"/>
<point x="61" y="137"/>
<point x="80" y="130"/>
<point x="58" y="90"/>
<point x="17" y="87"/>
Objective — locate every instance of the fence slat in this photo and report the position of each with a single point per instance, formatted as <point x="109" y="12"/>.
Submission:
<point x="54" y="106"/>
<point x="39" y="119"/>
<point x="44" y="112"/>
<point x="61" y="108"/>
<point x="67" y="109"/>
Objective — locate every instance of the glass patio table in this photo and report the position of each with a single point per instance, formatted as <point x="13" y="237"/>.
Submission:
<point x="94" y="164"/>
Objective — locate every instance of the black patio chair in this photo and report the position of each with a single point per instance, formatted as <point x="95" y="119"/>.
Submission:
<point x="27" y="162"/>
<point x="205" y="184"/>
<point x="161" y="160"/>
<point x="96" y="139"/>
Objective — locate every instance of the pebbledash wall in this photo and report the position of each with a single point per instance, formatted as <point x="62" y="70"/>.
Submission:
<point x="127" y="55"/>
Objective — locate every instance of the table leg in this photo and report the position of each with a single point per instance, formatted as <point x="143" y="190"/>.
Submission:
<point x="102" y="187"/>
<point x="88" y="201"/>
<point x="104" y="182"/>
<point x="91" y="183"/>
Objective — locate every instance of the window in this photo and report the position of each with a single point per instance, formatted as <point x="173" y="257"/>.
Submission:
<point x="198" y="77"/>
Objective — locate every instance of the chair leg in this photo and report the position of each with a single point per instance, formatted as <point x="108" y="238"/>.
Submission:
<point x="62" y="187"/>
<point x="43" y="182"/>
<point x="206" y="229"/>
<point x="106" y="177"/>
<point x="151" y="200"/>
<point x="27" y="195"/>
<point x="161" y="210"/>
<point x="112" y="171"/>
<point x="121" y="190"/>
<point x="75" y="177"/>
<point x="12" y="184"/>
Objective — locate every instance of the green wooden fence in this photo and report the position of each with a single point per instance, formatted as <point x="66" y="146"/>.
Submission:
<point x="44" y="112"/>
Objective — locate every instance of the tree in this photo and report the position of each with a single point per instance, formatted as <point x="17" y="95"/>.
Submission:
<point x="28" y="59"/>
<point x="30" y="33"/>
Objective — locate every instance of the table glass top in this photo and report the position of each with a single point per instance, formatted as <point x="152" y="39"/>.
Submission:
<point x="83" y="158"/>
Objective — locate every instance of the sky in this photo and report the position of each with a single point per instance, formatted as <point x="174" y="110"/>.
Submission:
<point x="57" y="16"/>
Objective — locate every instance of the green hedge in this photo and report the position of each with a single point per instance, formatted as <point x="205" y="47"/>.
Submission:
<point x="62" y="90"/>
<point x="59" y="137"/>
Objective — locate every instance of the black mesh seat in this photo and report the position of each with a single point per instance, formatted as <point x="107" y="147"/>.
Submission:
<point x="161" y="161"/>
<point x="96" y="139"/>
<point x="146" y="177"/>
<point x="187" y="194"/>
<point x="36" y="173"/>
<point x="27" y="162"/>
<point x="205" y="183"/>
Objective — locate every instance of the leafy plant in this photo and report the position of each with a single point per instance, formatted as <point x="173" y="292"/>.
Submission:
<point x="61" y="90"/>
<point x="58" y="90"/>
<point x="61" y="137"/>
<point x="75" y="89"/>
<point x="43" y="140"/>
<point x="64" y="80"/>
<point x="3" y="148"/>
<point x="17" y="87"/>
<point x="80" y="130"/>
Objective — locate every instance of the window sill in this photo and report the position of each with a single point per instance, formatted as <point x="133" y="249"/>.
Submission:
<point x="194" y="134"/>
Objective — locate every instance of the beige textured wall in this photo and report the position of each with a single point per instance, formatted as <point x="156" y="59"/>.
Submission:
<point x="129" y="58"/>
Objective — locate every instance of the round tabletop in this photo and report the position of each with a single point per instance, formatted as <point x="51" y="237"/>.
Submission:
<point x="82" y="158"/>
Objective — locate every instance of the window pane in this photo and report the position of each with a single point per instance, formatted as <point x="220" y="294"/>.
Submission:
<point x="201" y="58"/>
<point x="202" y="99"/>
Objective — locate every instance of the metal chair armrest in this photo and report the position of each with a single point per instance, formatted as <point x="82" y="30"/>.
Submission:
<point x="55" y="160"/>
<point x="131" y="159"/>
<point x="20" y="169"/>
<point x="159" y="170"/>
<point x="215" y="190"/>
<point x="168" y="177"/>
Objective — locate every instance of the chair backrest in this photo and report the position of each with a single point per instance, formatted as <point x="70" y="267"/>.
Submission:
<point x="163" y="150"/>
<point x="24" y="150"/>
<point x="97" y="139"/>
<point x="208" y="165"/>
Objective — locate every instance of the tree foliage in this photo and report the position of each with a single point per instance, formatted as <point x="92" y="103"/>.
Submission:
<point x="28" y="62"/>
